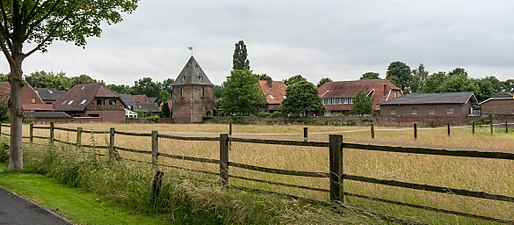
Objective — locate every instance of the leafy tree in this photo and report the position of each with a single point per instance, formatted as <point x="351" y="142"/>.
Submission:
<point x="323" y="80"/>
<point x="40" y="23"/>
<point x="217" y="91"/>
<point x="164" y="96"/>
<point x="3" y="77"/>
<point x="433" y="82"/>
<point x="458" y="82"/>
<point x="165" y="111"/>
<point x="121" y="88"/>
<point x="167" y="85"/>
<point x="241" y="94"/>
<point x="399" y="73"/>
<point x="419" y="78"/>
<point x="509" y="85"/>
<point x="484" y="89"/>
<point x="42" y="79"/>
<point x="301" y="97"/>
<point x="147" y="86"/>
<point x="458" y="71"/>
<point x="4" y="110"/>
<point x="263" y="76"/>
<point x="370" y="75"/>
<point x="362" y="104"/>
<point x="240" y="59"/>
<point x="294" y="79"/>
<point x="82" y="79"/>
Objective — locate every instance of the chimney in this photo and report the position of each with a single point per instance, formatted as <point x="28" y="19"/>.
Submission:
<point x="269" y="83"/>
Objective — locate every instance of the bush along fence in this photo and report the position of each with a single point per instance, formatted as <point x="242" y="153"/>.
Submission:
<point x="336" y="176"/>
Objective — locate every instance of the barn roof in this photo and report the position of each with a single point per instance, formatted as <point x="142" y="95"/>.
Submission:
<point x="433" y="98"/>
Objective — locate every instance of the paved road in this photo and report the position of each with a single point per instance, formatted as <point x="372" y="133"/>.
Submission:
<point x="18" y="211"/>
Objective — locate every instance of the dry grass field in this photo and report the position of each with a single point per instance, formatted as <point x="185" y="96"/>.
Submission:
<point x="493" y="176"/>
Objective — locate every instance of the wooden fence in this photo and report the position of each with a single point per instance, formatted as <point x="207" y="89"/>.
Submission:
<point x="335" y="177"/>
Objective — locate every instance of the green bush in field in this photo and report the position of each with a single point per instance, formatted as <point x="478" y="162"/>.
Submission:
<point x="4" y="150"/>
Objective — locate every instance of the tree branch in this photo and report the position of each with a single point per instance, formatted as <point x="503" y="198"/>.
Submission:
<point x="44" y="17"/>
<point x="48" y="37"/>
<point x="6" y="52"/>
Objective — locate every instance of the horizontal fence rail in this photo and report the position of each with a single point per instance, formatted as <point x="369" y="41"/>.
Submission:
<point x="334" y="148"/>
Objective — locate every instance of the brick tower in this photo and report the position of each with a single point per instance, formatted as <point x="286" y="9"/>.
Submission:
<point x="192" y="94"/>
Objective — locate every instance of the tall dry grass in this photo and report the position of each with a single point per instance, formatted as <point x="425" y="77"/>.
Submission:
<point x="487" y="175"/>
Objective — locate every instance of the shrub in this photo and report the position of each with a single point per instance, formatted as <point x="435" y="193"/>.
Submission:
<point x="277" y="114"/>
<point x="29" y="119"/>
<point x="264" y="114"/>
<point x="153" y="119"/>
<point x="238" y="120"/>
<point x="4" y="150"/>
<point x="483" y="121"/>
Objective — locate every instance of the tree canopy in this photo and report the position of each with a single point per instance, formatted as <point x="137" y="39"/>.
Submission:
<point x="400" y="74"/>
<point x="301" y="97"/>
<point x="41" y="23"/>
<point x="241" y="94"/>
<point x="240" y="58"/>
<point x="263" y="76"/>
<point x="294" y="79"/>
<point x="370" y="75"/>
<point x="323" y="80"/>
<point x="419" y="78"/>
<point x="147" y="86"/>
<point x="362" y="105"/>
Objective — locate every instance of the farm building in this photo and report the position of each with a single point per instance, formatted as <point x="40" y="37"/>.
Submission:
<point x="275" y="93"/>
<point x="93" y="101"/>
<point x="502" y="103"/>
<point x="454" y="104"/>
<point x="139" y="104"/>
<point x="30" y="99"/>
<point x="338" y="96"/>
<point x="49" y="95"/>
<point x="193" y="95"/>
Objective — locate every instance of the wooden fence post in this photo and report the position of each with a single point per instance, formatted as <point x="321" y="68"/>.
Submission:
<point x="112" y="148"/>
<point x="230" y="128"/>
<point x="52" y="133"/>
<point x="415" y="131"/>
<point x="473" y="128"/>
<point x="79" y="136"/>
<point x="156" y="186"/>
<point x="305" y="134"/>
<point x="449" y="130"/>
<point x="336" y="168"/>
<point x="224" y="139"/>
<point x="506" y="127"/>
<point x="0" y="128"/>
<point x="31" y="133"/>
<point x="491" y="127"/>
<point x="372" y="131"/>
<point x="155" y="151"/>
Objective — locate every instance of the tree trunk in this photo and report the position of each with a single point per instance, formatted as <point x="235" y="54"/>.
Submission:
<point x="16" y="112"/>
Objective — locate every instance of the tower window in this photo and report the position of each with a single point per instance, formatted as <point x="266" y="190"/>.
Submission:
<point x="184" y="78"/>
<point x="200" y="78"/>
<point x="181" y="92"/>
<point x="203" y="92"/>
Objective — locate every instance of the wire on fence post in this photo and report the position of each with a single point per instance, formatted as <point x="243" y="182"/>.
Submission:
<point x="31" y="133"/>
<point x="79" y="136"/>
<point x="372" y="131"/>
<point x="415" y="131"/>
<point x="155" y="151"/>
<point x="305" y="134"/>
<point x="224" y="139"/>
<point x="336" y="167"/>
<point x="449" y="130"/>
<point x="52" y="133"/>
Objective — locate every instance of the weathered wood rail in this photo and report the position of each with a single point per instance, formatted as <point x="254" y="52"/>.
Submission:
<point x="335" y="145"/>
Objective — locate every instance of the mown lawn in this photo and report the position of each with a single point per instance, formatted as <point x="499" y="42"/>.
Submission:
<point x="74" y="204"/>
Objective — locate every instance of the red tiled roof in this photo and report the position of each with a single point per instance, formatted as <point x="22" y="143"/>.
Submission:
<point x="141" y="98"/>
<point x="37" y="107"/>
<point x="5" y="89"/>
<point x="274" y="94"/>
<point x="81" y="95"/>
<point x="350" y="89"/>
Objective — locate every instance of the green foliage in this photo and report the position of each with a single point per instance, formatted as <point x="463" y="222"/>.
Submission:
<point x="240" y="58"/>
<point x="3" y="77"/>
<point x="370" y="76"/>
<point x="277" y="114"/>
<point x="4" y="150"/>
<point x="121" y="88"/>
<point x="264" y="114"/>
<point x="419" y="78"/>
<point x="164" y="96"/>
<point x="165" y="111"/>
<point x="4" y="110"/>
<point x="362" y="105"/>
<point x="147" y="86"/>
<point x="323" y="80"/>
<point x="83" y="79"/>
<point x="29" y="119"/>
<point x="294" y="79"/>
<point x="483" y="121"/>
<point x="217" y="89"/>
<point x="301" y="97"/>
<point x="153" y="119"/>
<point x="263" y="76"/>
<point x="241" y="94"/>
<point x="509" y="85"/>
<point x="238" y="120"/>
<point x="42" y="79"/>
<point x="400" y="74"/>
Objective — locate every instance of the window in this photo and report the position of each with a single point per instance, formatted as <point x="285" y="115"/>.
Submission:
<point x="395" y="94"/>
<point x="181" y="92"/>
<point x="93" y="115"/>
<point x="69" y="103"/>
<point x="271" y="96"/>
<point x="112" y="102"/>
<point x="431" y="110"/>
<point x="393" y="111"/>
<point x="83" y="102"/>
<point x="99" y="102"/>
<point x="203" y="92"/>
<point x="184" y="78"/>
<point x="449" y="110"/>
<point x="33" y="100"/>
<point x="414" y="111"/>
<point x="200" y="78"/>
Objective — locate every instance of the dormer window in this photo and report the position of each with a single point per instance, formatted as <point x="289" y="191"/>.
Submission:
<point x="33" y="101"/>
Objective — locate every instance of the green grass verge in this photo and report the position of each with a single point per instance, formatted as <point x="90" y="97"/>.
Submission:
<point x="75" y="204"/>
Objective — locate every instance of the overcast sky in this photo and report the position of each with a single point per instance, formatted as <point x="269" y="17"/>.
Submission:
<point x="340" y="39"/>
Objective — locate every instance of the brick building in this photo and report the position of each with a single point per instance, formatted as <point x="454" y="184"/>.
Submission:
<point x="92" y="100"/>
<point x="193" y="95"/>
<point x="500" y="104"/>
<point x="275" y="93"/>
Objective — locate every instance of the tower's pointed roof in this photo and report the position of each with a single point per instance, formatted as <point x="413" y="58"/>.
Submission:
<point x="192" y="74"/>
